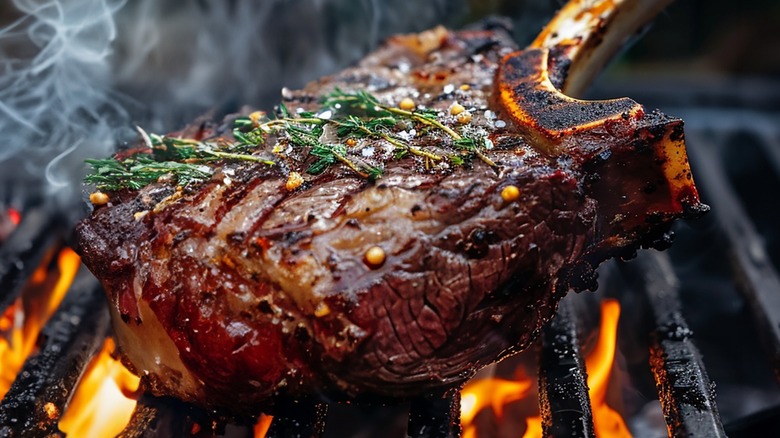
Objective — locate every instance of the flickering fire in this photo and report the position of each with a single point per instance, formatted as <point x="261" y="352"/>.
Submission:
<point x="100" y="406"/>
<point x="104" y="399"/>
<point x="262" y="426"/>
<point x="497" y="393"/>
<point x="22" y="321"/>
<point x="606" y="421"/>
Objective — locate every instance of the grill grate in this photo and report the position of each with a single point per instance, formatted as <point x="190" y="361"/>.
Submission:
<point x="757" y="278"/>
<point x="563" y="388"/>
<point x="684" y="389"/>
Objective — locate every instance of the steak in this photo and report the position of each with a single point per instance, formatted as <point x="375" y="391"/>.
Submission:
<point x="307" y="271"/>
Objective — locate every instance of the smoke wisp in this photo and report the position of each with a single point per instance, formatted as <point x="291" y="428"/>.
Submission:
<point x="56" y="102"/>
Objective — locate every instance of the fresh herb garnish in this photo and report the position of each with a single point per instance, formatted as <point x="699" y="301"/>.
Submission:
<point x="142" y="170"/>
<point x="327" y="136"/>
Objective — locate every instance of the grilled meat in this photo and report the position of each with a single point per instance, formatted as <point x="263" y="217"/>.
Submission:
<point x="246" y="287"/>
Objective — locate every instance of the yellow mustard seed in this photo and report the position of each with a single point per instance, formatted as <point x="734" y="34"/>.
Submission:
<point x="456" y="109"/>
<point x="98" y="198"/>
<point x="464" y="117"/>
<point x="351" y="142"/>
<point x="465" y="87"/>
<point x="510" y="193"/>
<point x="375" y="257"/>
<point x="294" y="180"/>
<point x="256" y="116"/>
<point x="407" y="104"/>
<point x="321" y="310"/>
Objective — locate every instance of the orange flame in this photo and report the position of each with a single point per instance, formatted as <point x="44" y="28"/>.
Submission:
<point x="22" y="321"/>
<point x="98" y="407"/>
<point x="102" y="404"/>
<point x="496" y="393"/>
<point x="606" y="421"/>
<point x="262" y="426"/>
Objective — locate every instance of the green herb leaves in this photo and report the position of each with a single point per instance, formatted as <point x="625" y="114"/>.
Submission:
<point x="182" y="161"/>
<point x="141" y="170"/>
<point x="329" y="137"/>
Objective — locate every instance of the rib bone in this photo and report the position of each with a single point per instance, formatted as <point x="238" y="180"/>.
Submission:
<point x="566" y="56"/>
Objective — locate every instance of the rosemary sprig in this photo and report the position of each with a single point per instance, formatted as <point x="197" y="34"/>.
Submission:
<point x="329" y="154"/>
<point x="362" y="101"/>
<point x="183" y="160"/>
<point x="358" y="115"/>
<point x="141" y="170"/>
<point x="377" y="128"/>
<point x="474" y="145"/>
<point x="307" y="130"/>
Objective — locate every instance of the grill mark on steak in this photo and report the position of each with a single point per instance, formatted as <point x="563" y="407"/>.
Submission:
<point x="236" y="193"/>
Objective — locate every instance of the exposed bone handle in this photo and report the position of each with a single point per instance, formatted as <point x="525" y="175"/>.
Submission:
<point x="592" y="31"/>
<point x="534" y="85"/>
<point x="616" y="134"/>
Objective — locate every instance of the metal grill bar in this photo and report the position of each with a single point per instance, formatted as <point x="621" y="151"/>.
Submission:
<point x="158" y="418"/>
<point x="36" y="400"/>
<point x="756" y="276"/>
<point x="563" y="389"/>
<point x="24" y="250"/>
<point x="435" y="415"/>
<point x="684" y="389"/>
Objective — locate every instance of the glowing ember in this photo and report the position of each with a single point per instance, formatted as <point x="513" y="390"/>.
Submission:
<point x="102" y="404"/>
<point x="22" y="321"/>
<point x="497" y="393"/>
<point x="14" y="215"/>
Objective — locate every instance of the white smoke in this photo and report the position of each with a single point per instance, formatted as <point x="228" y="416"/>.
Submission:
<point x="198" y="55"/>
<point x="77" y="75"/>
<point x="55" y="95"/>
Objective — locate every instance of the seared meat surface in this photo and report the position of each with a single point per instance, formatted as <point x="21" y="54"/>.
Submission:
<point x="232" y="292"/>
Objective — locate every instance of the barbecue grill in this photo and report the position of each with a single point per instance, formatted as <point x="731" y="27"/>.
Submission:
<point x="723" y="268"/>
